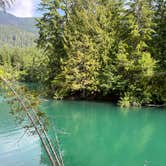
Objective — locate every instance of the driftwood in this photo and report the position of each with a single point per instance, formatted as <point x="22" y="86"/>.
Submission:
<point x="155" y="105"/>
<point x="46" y="144"/>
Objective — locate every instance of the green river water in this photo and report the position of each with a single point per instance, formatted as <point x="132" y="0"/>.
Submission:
<point x="91" y="134"/>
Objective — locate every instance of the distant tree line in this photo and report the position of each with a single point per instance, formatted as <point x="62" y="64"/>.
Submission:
<point x="29" y="63"/>
<point x="12" y="36"/>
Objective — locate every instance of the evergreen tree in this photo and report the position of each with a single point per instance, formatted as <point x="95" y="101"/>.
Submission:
<point x="88" y="36"/>
<point x="135" y="63"/>
<point x="104" y="47"/>
<point x="158" y="47"/>
<point x="159" y="37"/>
<point x="51" y="36"/>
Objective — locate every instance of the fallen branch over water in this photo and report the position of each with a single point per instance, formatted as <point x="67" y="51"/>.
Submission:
<point x="55" y="157"/>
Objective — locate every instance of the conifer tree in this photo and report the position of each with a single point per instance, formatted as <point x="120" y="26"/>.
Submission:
<point x="88" y="36"/>
<point x="51" y="35"/>
<point x="159" y="37"/>
<point x="158" y="49"/>
<point x="103" y="47"/>
<point x="134" y="58"/>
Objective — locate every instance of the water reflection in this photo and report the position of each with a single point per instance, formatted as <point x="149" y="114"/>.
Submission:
<point x="102" y="134"/>
<point x="94" y="134"/>
<point x="15" y="147"/>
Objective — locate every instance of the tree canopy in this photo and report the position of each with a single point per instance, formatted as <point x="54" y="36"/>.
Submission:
<point x="99" y="49"/>
<point x="105" y="48"/>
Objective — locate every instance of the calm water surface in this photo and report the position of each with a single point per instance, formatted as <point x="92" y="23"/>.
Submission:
<point x="91" y="134"/>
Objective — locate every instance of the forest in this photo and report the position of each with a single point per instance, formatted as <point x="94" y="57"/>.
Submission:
<point x="16" y="31"/>
<point x="13" y="36"/>
<point x="110" y="50"/>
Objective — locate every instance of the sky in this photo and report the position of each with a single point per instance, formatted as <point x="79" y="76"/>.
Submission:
<point x="24" y="8"/>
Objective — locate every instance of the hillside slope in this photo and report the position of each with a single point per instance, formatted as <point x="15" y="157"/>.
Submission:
<point x="27" y="24"/>
<point x="15" y="31"/>
<point x="13" y="36"/>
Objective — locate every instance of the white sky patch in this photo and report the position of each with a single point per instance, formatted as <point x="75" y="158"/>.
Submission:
<point x="22" y="8"/>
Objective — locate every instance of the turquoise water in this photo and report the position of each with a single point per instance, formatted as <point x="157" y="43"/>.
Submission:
<point x="91" y="134"/>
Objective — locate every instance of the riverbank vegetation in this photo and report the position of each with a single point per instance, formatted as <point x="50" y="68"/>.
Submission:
<point x="28" y="63"/>
<point x="98" y="49"/>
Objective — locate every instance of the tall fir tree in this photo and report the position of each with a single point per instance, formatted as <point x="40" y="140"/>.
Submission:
<point x="90" y="38"/>
<point x="159" y="37"/>
<point x="134" y="59"/>
<point x="158" y="47"/>
<point x="51" y="36"/>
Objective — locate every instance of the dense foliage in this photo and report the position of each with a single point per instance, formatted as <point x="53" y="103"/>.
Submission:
<point x="15" y="31"/>
<point x="94" y="49"/>
<point x="29" y="64"/>
<point x="105" y="48"/>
